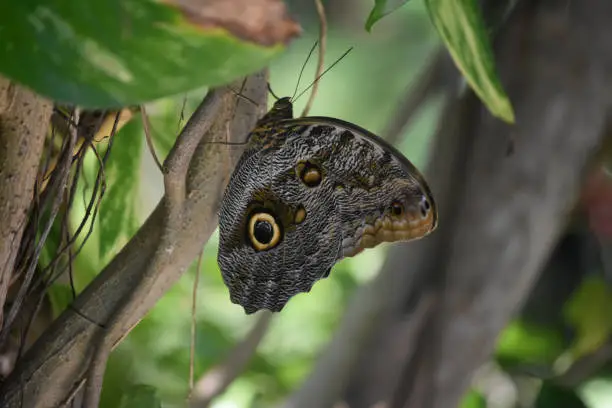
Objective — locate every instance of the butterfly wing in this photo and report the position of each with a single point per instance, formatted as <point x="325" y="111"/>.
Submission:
<point x="306" y="195"/>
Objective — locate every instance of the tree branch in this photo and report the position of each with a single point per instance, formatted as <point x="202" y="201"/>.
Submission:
<point x="218" y="378"/>
<point x="149" y="264"/>
<point x="177" y="163"/>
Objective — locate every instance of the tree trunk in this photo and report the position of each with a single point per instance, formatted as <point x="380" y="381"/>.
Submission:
<point x="24" y="120"/>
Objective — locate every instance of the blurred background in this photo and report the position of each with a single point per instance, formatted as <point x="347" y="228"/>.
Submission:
<point x="364" y="88"/>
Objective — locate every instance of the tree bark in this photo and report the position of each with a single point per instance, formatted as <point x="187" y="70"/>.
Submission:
<point x="514" y="202"/>
<point x="24" y="120"/>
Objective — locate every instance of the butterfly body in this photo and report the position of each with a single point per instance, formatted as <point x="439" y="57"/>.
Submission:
<point x="306" y="193"/>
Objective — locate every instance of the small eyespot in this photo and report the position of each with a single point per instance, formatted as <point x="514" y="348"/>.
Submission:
<point x="264" y="231"/>
<point x="300" y="215"/>
<point x="309" y="173"/>
<point x="397" y="208"/>
<point x="425" y="207"/>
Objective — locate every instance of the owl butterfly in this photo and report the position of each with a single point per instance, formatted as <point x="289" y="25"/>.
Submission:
<point x="306" y="193"/>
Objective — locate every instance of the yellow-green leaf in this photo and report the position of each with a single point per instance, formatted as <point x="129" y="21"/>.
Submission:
<point x="589" y="313"/>
<point x="528" y="343"/>
<point x="462" y="29"/>
<point x="473" y="399"/>
<point x="382" y="8"/>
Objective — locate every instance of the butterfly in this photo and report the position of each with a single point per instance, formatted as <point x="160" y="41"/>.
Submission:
<point x="306" y="193"/>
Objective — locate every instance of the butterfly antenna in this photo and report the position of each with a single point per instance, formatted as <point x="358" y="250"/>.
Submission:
<point x="323" y="73"/>
<point x="303" y="67"/>
<point x="272" y="92"/>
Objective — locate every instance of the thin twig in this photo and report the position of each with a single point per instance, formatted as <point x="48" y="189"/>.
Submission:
<point x="147" y="131"/>
<point x="584" y="367"/>
<point x="216" y="380"/>
<point x="194" y="299"/>
<point x="90" y="211"/>
<point x="58" y="184"/>
<point x="89" y="133"/>
<point x="322" y="48"/>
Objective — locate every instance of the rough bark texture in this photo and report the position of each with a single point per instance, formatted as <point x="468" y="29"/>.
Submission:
<point x="57" y="362"/>
<point x="24" y="120"/>
<point x="504" y="194"/>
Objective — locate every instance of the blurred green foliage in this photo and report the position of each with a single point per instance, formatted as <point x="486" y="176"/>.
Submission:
<point x="523" y="343"/>
<point x="552" y="396"/>
<point x="140" y="396"/>
<point x="588" y="311"/>
<point x="474" y="399"/>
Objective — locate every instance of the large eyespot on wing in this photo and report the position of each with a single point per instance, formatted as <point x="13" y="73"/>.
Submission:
<point x="264" y="232"/>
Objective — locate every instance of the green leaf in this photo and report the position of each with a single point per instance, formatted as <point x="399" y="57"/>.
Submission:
<point x="552" y="396"/>
<point x="118" y="212"/>
<point x="473" y="399"/>
<point x="382" y="8"/>
<point x="462" y="29"/>
<point x="118" y="52"/>
<point x="523" y="343"/>
<point x="588" y="312"/>
<point x="140" y="396"/>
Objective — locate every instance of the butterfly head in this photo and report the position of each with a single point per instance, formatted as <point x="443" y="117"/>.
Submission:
<point x="283" y="104"/>
<point x="282" y="109"/>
